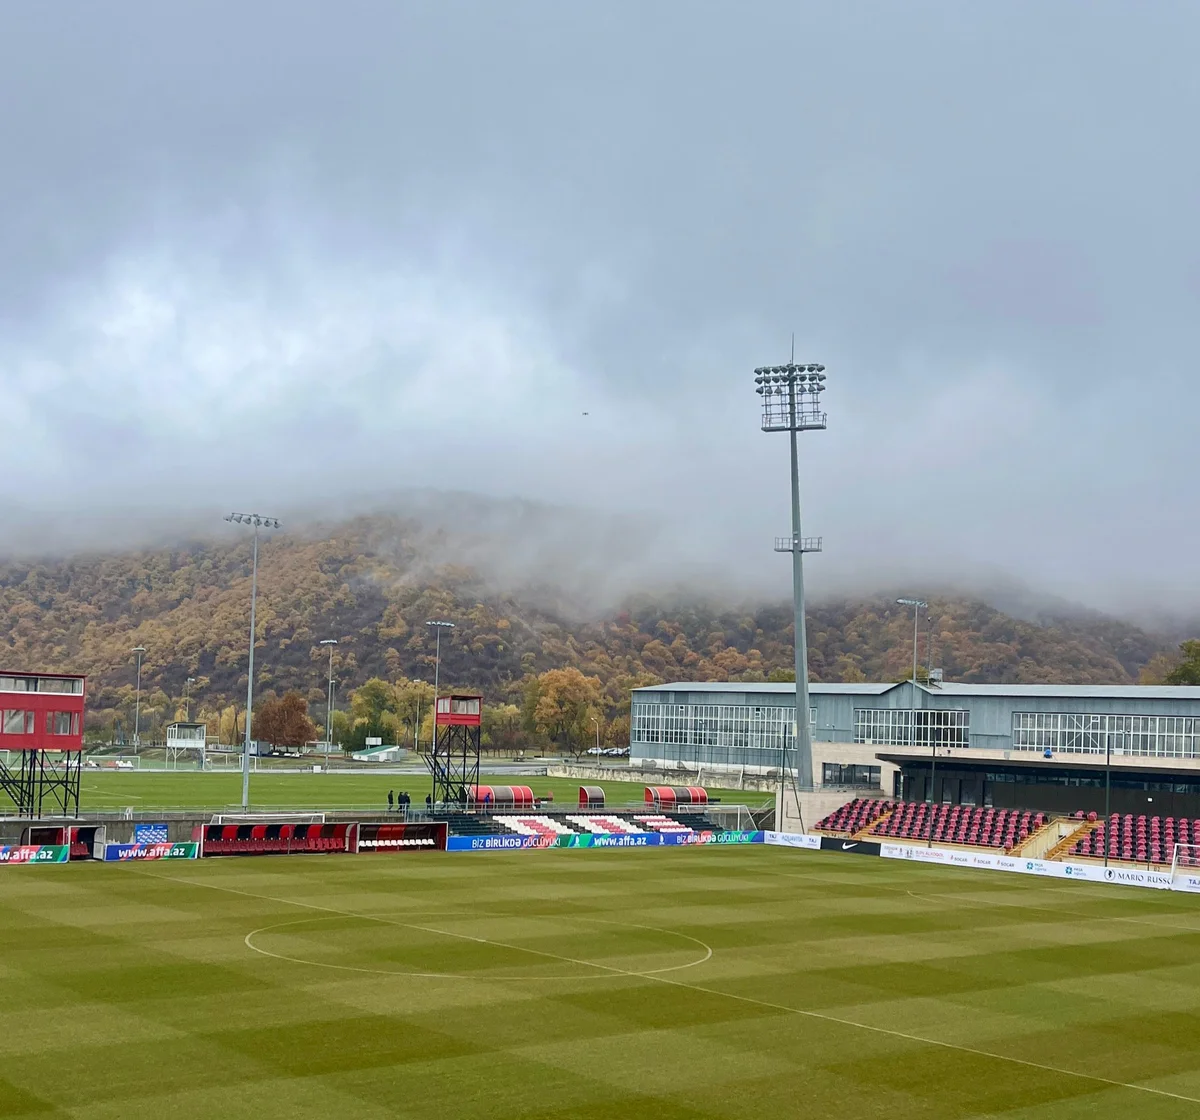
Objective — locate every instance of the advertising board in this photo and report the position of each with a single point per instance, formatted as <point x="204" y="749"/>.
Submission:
<point x="35" y="853"/>
<point x="603" y="840"/>
<point x="1082" y="872"/>
<point x="120" y="853"/>
<point x="792" y="840"/>
<point x="858" y="847"/>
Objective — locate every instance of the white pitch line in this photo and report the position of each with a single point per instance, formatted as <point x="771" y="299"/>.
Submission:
<point x="481" y="940"/>
<point x="820" y="1016"/>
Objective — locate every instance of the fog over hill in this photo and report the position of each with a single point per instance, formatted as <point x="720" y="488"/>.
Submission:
<point x="530" y="588"/>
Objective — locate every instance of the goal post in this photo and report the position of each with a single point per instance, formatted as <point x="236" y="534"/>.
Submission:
<point x="1185" y="867"/>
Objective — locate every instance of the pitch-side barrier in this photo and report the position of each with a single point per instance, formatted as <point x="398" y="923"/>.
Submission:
<point x="989" y="861"/>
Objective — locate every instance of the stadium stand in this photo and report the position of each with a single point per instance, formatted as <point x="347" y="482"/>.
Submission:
<point x="604" y="824"/>
<point x="659" y="823"/>
<point x="1136" y="838"/>
<point x="469" y="824"/>
<point x="959" y="824"/>
<point x="854" y="815"/>
<point x="545" y="827"/>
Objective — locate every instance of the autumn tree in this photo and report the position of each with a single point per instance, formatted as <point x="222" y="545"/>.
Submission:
<point x="283" y="721"/>
<point x="561" y="704"/>
<point x="501" y="730"/>
<point x="372" y="715"/>
<point x="1188" y="669"/>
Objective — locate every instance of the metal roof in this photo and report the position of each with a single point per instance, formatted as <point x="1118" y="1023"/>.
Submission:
<point x="1063" y="691"/>
<point x="1074" y="691"/>
<point x="779" y="688"/>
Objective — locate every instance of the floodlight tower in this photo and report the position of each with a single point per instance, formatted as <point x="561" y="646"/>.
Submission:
<point x="919" y="605"/>
<point x="791" y="402"/>
<point x="137" y="704"/>
<point x="259" y="522"/>
<point x="330" y="642"/>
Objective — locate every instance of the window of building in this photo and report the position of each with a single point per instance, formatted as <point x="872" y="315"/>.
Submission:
<point x="17" y="722"/>
<point x="1073" y="733"/>
<point x="57" y="684"/>
<point x="18" y="684"/>
<point x="759" y="727"/>
<point x="836" y="774"/>
<point x="892" y="727"/>
<point x="62" y="723"/>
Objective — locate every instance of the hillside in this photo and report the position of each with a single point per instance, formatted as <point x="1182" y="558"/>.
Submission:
<point x="372" y="582"/>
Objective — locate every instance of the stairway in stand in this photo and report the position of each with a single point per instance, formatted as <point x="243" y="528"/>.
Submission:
<point x="1068" y="842"/>
<point x="864" y="833"/>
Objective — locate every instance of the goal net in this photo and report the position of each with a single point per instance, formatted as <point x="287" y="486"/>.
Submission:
<point x="1185" y="867"/>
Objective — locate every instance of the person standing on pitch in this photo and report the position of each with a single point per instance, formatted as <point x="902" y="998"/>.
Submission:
<point x="391" y="800"/>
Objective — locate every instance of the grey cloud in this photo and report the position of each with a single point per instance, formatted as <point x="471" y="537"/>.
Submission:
<point x="296" y="253"/>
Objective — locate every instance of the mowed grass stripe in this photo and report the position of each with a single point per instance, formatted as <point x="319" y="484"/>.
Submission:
<point x="719" y="1040"/>
<point x="277" y="789"/>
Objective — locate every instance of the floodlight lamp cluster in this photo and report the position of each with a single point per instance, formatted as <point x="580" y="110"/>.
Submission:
<point x="791" y="396"/>
<point x="807" y="377"/>
<point x="254" y="519"/>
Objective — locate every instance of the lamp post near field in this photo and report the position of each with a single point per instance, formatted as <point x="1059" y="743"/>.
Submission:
<point x="330" y="642"/>
<point x="187" y="699"/>
<point x="597" y="723"/>
<point x="258" y="522"/>
<point x="137" y="703"/>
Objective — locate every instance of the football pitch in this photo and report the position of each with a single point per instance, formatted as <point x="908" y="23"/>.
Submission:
<point x="656" y="984"/>
<point x="281" y="789"/>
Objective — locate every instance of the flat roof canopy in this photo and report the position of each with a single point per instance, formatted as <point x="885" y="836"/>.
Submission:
<point x="972" y="758"/>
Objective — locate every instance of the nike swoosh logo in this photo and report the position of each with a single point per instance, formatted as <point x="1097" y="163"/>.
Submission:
<point x="847" y="847"/>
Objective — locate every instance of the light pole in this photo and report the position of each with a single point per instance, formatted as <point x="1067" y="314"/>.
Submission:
<point x="791" y="402"/>
<point x="137" y="703"/>
<point x="264" y="523"/>
<point x="330" y="642"/>
<point x="597" y="723"/>
<point x="438" y="627"/>
<point x="187" y="699"/>
<point x="1107" y="794"/>
<point x="417" y="725"/>
<point x="916" y="605"/>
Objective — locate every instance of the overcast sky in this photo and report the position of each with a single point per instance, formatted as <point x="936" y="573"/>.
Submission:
<point x="268" y="254"/>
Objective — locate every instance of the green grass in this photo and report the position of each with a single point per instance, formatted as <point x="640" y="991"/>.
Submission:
<point x="158" y="789"/>
<point x="532" y="986"/>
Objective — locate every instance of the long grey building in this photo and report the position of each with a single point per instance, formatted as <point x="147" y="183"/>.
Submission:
<point x="984" y="737"/>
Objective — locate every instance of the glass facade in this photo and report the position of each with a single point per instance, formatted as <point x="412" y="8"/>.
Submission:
<point x="837" y="774"/>
<point x="892" y="727"/>
<point x="1148" y="736"/>
<point x="738" y="735"/>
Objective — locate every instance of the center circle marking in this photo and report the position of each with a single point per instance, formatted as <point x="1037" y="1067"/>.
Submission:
<point x="602" y="971"/>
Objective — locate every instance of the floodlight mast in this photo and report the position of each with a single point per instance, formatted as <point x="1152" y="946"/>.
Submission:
<point x="259" y="522"/>
<point x="918" y="605"/>
<point x="791" y="402"/>
<point x="330" y="642"/>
